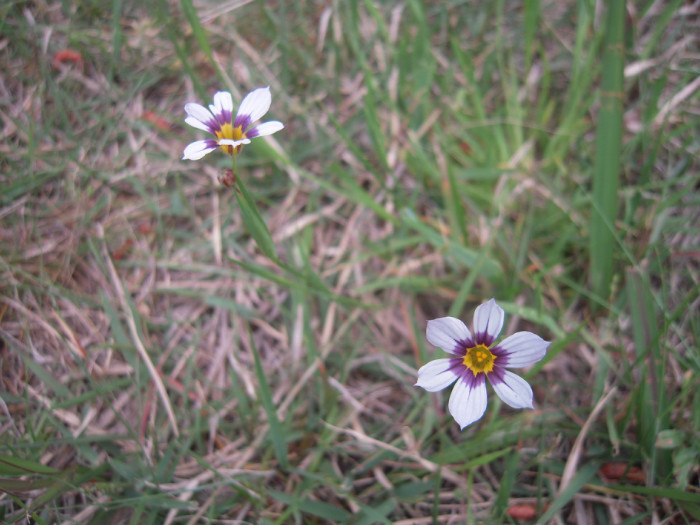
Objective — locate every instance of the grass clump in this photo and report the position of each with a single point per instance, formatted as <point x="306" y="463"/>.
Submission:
<point x="160" y="365"/>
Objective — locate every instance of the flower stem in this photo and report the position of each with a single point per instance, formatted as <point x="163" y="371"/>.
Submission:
<point x="253" y="220"/>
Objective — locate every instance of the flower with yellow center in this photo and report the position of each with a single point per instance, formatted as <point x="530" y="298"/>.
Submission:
<point x="231" y="133"/>
<point x="476" y="359"/>
<point x="479" y="359"/>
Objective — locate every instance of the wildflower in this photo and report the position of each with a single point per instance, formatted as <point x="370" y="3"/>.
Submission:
<point x="477" y="358"/>
<point x="231" y="133"/>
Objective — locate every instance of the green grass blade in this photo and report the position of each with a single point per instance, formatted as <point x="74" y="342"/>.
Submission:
<point x="118" y="35"/>
<point x="199" y="33"/>
<point x="531" y="23"/>
<point x="254" y="221"/>
<point x="161" y="11"/>
<point x="507" y="482"/>
<point x="11" y="466"/>
<point x="607" y="157"/>
<point x="584" y="475"/>
<point x="276" y="433"/>
<point x="652" y="410"/>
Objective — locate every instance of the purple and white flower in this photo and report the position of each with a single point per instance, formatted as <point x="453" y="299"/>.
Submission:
<point x="231" y="133"/>
<point x="478" y="358"/>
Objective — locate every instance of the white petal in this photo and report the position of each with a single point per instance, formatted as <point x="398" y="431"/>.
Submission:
<point x="468" y="402"/>
<point x="522" y="349"/>
<point x="513" y="390"/>
<point x="197" y="150"/>
<point x="255" y="104"/>
<point x="234" y="143"/>
<point x="198" y="116"/>
<point x="447" y="333"/>
<point x="436" y="375"/>
<point x="197" y="124"/>
<point x="267" y="128"/>
<point x="488" y="321"/>
<point x="222" y="101"/>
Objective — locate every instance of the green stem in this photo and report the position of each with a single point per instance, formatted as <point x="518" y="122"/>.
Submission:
<point x="252" y="217"/>
<point x="607" y="160"/>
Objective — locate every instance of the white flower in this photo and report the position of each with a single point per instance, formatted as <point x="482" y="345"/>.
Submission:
<point x="231" y="134"/>
<point x="477" y="358"/>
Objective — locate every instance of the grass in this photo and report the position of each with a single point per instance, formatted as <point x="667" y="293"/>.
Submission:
<point x="606" y="171"/>
<point x="174" y="351"/>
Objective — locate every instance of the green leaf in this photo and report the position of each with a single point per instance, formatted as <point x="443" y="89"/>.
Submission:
<point x="691" y="508"/>
<point x="254" y="221"/>
<point x="10" y="465"/>
<point x="317" y="508"/>
<point x="670" y="438"/>
<point x="585" y="474"/>
<point x="607" y="157"/>
<point x="275" y="432"/>
<point x="507" y="483"/>
<point x="191" y="15"/>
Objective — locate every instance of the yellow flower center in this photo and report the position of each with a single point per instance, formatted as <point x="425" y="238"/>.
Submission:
<point x="227" y="131"/>
<point x="479" y="359"/>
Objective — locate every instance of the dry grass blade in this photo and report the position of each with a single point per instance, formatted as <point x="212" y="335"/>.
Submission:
<point x="131" y="323"/>
<point x="679" y="97"/>
<point x="577" y="448"/>
<point x="415" y="456"/>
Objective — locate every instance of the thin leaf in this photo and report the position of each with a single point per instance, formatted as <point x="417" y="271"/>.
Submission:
<point x="275" y="431"/>
<point x="10" y="465"/>
<point x="607" y="156"/>
<point x="584" y="475"/>
<point x="254" y="221"/>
